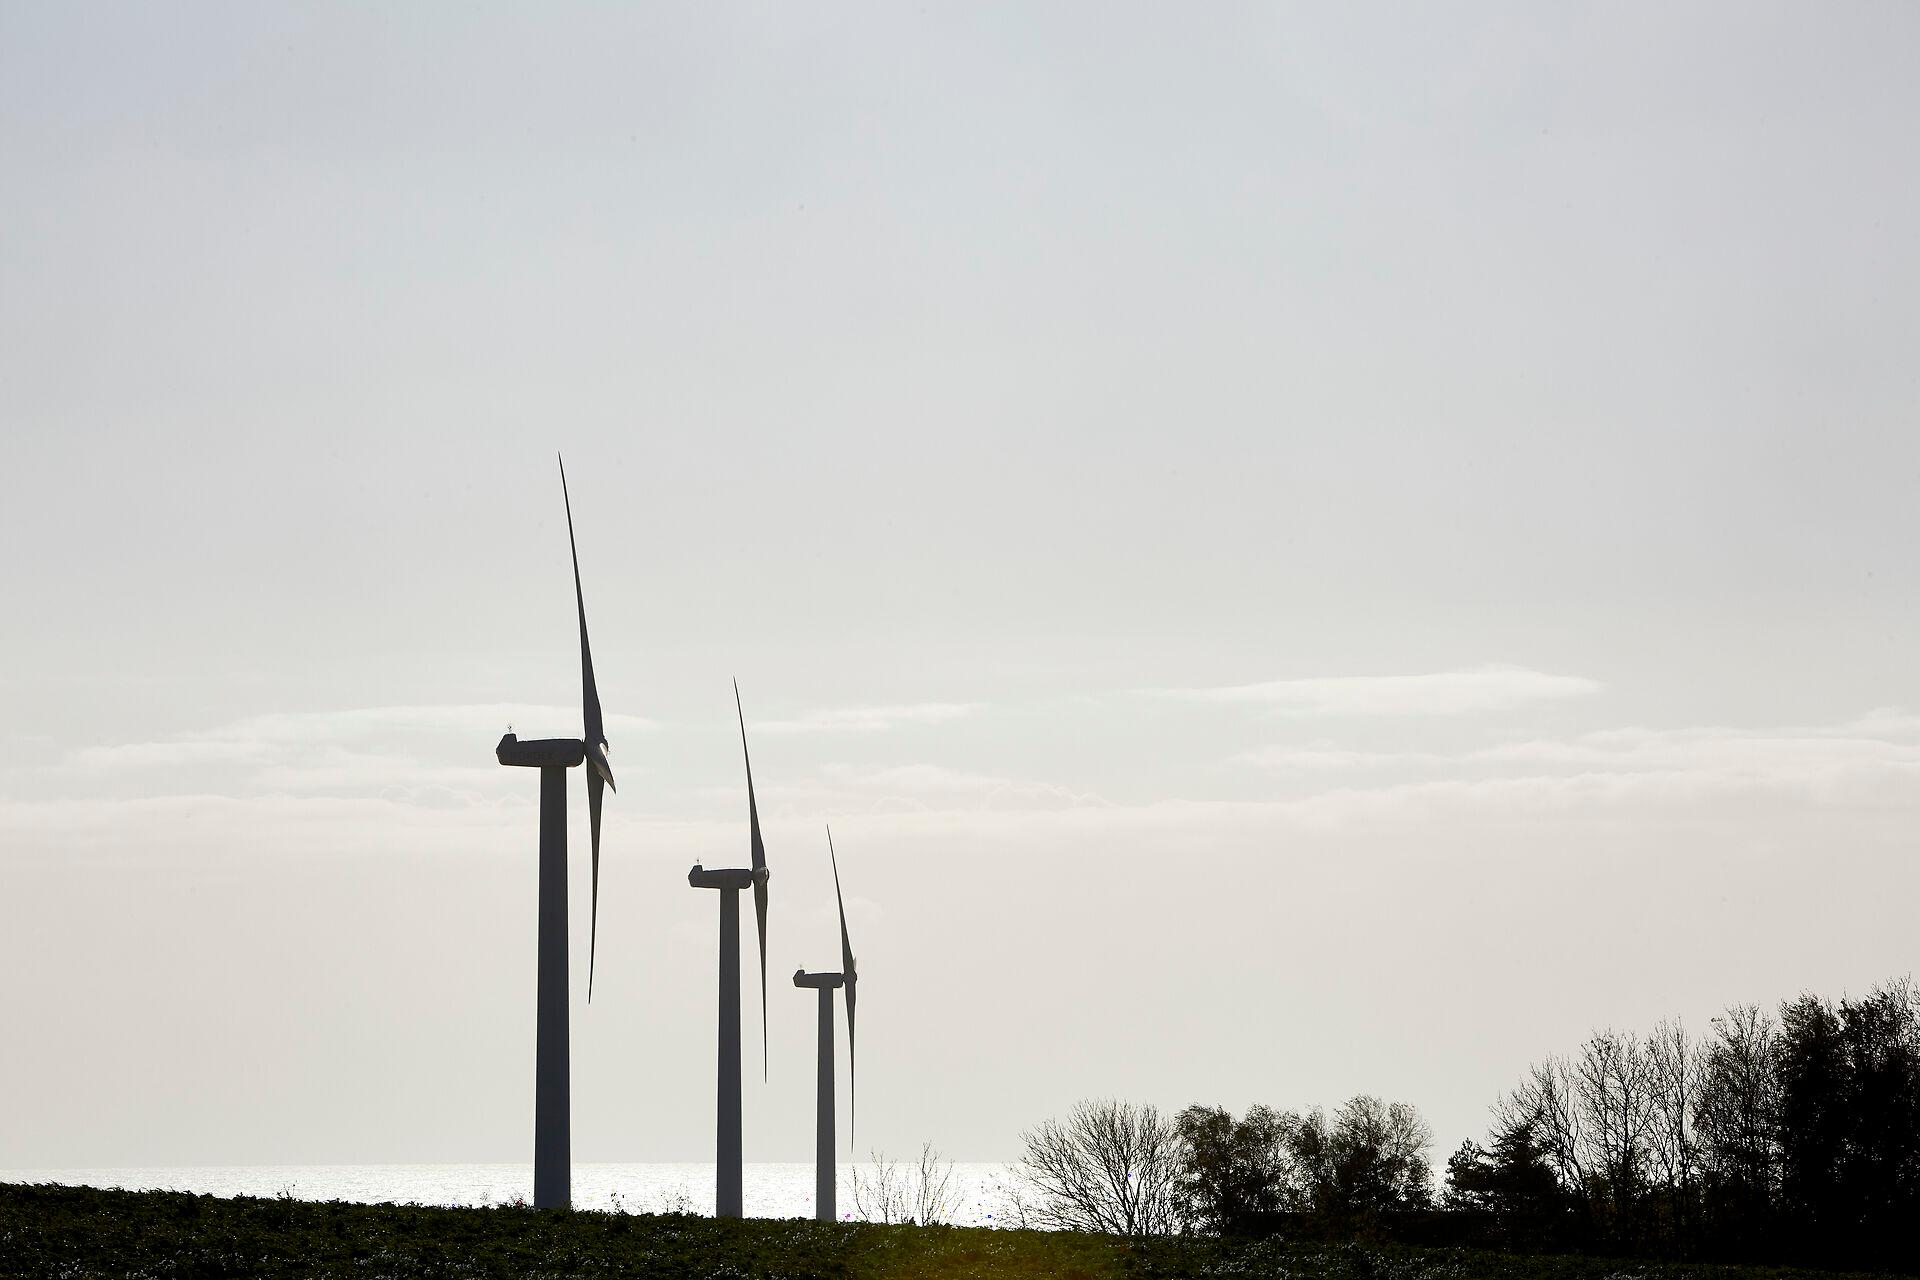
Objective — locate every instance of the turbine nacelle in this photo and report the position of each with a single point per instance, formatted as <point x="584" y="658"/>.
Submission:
<point x="723" y="877"/>
<point x="540" y="753"/>
<point x="819" y="981"/>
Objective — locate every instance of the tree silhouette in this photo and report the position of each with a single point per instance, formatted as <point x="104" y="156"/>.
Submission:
<point x="1736" y="1117"/>
<point x="1795" y="1138"/>
<point x="1514" y="1185"/>
<point x="1235" y="1172"/>
<point x="1369" y="1159"/>
<point x="1109" y="1166"/>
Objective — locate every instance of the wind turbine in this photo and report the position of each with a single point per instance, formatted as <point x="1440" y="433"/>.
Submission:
<point x="552" y="1141"/>
<point x="726" y="1159"/>
<point x="826" y="1168"/>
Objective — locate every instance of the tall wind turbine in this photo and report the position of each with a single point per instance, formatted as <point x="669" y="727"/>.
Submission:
<point x="726" y="1158"/>
<point x="826" y="1168"/>
<point x="552" y="1141"/>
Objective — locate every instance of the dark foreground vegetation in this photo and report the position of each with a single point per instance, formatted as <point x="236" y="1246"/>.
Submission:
<point x="78" y="1233"/>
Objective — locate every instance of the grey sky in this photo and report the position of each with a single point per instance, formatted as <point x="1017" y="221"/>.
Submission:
<point x="1301" y="550"/>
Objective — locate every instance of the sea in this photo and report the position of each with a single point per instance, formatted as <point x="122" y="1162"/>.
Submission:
<point x="975" y="1193"/>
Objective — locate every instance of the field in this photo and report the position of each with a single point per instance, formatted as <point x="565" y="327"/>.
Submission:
<point x="77" y="1233"/>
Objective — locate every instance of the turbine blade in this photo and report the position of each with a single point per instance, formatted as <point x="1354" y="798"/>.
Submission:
<point x="595" y="789"/>
<point x="759" y="876"/>
<point x="850" y="977"/>
<point x="846" y="947"/>
<point x="593" y="731"/>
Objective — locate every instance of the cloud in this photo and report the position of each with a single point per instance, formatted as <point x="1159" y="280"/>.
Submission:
<point x="1803" y="752"/>
<point x="1807" y="754"/>
<point x="257" y="826"/>
<point x="438" y="756"/>
<point x="1440" y="693"/>
<point x="931" y="786"/>
<point x="191" y="753"/>
<point x="1867" y="761"/>
<point x="360" y="778"/>
<point x="905" y="788"/>
<point x="1323" y="759"/>
<point x="868" y="719"/>
<point x="1736" y="782"/>
<point x="256" y="738"/>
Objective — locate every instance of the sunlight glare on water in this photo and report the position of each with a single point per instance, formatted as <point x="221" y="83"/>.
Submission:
<point x="770" y="1190"/>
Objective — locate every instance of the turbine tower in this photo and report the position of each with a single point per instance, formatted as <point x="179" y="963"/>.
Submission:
<point x="826" y="1168"/>
<point x="552" y="1140"/>
<point x="726" y="1156"/>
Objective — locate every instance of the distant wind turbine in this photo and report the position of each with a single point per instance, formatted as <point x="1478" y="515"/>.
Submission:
<point x="726" y="1158"/>
<point x="552" y="1140"/>
<point x="826" y="1168"/>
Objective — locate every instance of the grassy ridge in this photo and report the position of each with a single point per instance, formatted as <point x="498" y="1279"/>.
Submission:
<point x="80" y="1232"/>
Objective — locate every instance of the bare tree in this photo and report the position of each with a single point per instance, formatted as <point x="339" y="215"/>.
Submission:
<point x="1674" y="1064"/>
<point x="1013" y="1196"/>
<point x="932" y="1187"/>
<point x="893" y="1192"/>
<point x="1109" y="1166"/>
<point x="1543" y="1105"/>
<point x="880" y="1196"/>
<point x="1737" y="1118"/>
<point x="1613" y="1091"/>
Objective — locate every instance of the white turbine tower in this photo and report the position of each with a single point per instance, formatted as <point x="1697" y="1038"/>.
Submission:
<point x="727" y="1167"/>
<point x="826" y="1168"/>
<point x="552" y="1139"/>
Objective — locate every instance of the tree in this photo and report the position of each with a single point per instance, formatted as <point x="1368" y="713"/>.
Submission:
<point x="1674" y="1076"/>
<point x="933" y="1196"/>
<point x="1370" y="1158"/>
<point x="1470" y="1184"/>
<point x="892" y="1192"/>
<point x="880" y="1195"/>
<point x="1812" y="1118"/>
<point x="1613" y="1084"/>
<point x="1234" y="1171"/>
<point x="1109" y="1166"/>
<point x="1880" y="1168"/>
<point x="1514" y="1184"/>
<point x="1736" y="1119"/>
<point x="1543" y="1104"/>
<point x="1769" y="1139"/>
<point x="1849" y="1122"/>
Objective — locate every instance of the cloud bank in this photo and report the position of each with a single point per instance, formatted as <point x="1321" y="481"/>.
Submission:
<point x="868" y="719"/>
<point x="1439" y="693"/>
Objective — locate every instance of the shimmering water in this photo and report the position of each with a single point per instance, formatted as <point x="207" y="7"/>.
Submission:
<point x="769" y="1190"/>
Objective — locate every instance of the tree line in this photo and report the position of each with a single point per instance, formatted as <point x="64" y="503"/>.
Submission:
<point x="1788" y="1135"/>
<point x="1128" y="1169"/>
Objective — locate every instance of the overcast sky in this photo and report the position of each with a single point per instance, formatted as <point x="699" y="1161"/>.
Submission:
<point x="1301" y="551"/>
